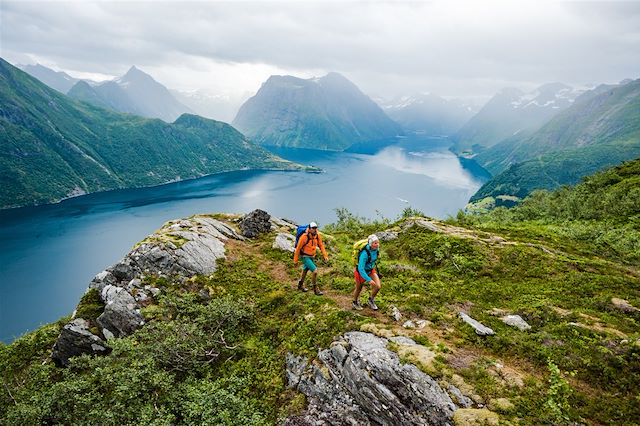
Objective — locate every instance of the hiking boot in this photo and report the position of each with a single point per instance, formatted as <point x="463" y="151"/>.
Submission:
<point x="372" y="304"/>
<point x="317" y="291"/>
<point x="356" y="306"/>
<point x="301" y="287"/>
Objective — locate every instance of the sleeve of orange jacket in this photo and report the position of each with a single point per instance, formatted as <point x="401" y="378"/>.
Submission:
<point x="324" y="252"/>
<point x="301" y="242"/>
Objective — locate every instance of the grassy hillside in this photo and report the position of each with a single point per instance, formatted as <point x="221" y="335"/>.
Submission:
<point x="213" y="351"/>
<point x="52" y="147"/>
<point x="600" y="216"/>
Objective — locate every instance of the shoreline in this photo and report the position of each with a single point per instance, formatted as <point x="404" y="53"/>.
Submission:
<point x="302" y="168"/>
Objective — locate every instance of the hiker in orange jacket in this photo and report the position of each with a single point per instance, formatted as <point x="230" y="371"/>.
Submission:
<point x="308" y="244"/>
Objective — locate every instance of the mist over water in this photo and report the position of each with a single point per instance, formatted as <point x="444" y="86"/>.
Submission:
<point x="49" y="254"/>
<point x="442" y="167"/>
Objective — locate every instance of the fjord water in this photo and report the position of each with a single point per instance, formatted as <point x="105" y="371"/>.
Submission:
<point x="48" y="254"/>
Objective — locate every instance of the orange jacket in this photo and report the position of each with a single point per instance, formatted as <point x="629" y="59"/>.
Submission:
<point x="307" y="246"/>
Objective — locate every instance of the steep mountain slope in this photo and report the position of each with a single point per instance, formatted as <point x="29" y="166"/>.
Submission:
<point x="135" y="92"/>
<point x="52" y="147"/>
<point x="511" y="112"/>
<point x="429" y="114"/>
<point x="58" y="80"/>
<point x="321" y="113"/>
<point x="601" y="129"/>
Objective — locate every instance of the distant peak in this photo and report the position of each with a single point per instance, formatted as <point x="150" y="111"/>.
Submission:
<point x="553" y="87"/>
<point x="135" y="73"/>
<point x="334" y="76"/>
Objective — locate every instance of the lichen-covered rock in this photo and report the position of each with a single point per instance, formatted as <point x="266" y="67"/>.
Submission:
<point x="476" y="417"/>
<point x="284" y="242"/>
<point x="501" y="405"/>
<point x="255" y="223"/>
<point x="76" y="339"/>
<point x="421" y="223"/>
<point x="358" y="381"/>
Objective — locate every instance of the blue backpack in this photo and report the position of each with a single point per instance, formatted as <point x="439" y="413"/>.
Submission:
<point x="299" y="231"/>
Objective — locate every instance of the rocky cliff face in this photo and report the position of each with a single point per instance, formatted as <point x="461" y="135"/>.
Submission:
<point x="181" y="249"/>
<point x="359" y="381"/>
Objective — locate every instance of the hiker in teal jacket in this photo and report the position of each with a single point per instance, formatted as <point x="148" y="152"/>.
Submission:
<point x="366" y="273"/>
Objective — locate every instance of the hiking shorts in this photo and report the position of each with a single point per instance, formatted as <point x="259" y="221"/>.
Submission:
<point x="307" y="263"/>
<point x="358" y="277"/>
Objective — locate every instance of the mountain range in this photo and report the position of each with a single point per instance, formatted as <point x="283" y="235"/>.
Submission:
<point x="328" y="113"/>
<point x="135" y="92"/>
<point x="59" y="80"/>
<point x="429" y="114"/>
<point x="601" y="128"/>
<point x="511" y="112"/>
<point x="53" y="147"/>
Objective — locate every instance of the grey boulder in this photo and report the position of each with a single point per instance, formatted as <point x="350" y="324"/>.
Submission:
<point x="255" y="223"/>
<point x="121" y="316"/>
<point x="516" y="321"/>
<point x="76" y="339"/>
<point x="284" y="242"/>
<point x="479" y="328"/>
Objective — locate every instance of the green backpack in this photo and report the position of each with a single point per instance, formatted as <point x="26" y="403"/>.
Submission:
<point x="358" y="246"/>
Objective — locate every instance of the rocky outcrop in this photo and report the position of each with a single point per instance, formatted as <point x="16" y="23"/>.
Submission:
<point x="76" y="339"/>
<point x="359" y="381"/>
<point x="255" y="223"/>
<point x="180" y="249"/>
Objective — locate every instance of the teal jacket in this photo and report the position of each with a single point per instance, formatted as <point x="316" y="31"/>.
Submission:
<point x="365" y="266"/>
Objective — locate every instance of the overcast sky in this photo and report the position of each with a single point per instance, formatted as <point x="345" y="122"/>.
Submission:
<point x="459" y="49"/>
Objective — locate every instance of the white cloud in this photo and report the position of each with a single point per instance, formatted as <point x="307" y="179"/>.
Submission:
<point x="451" y="48"/>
